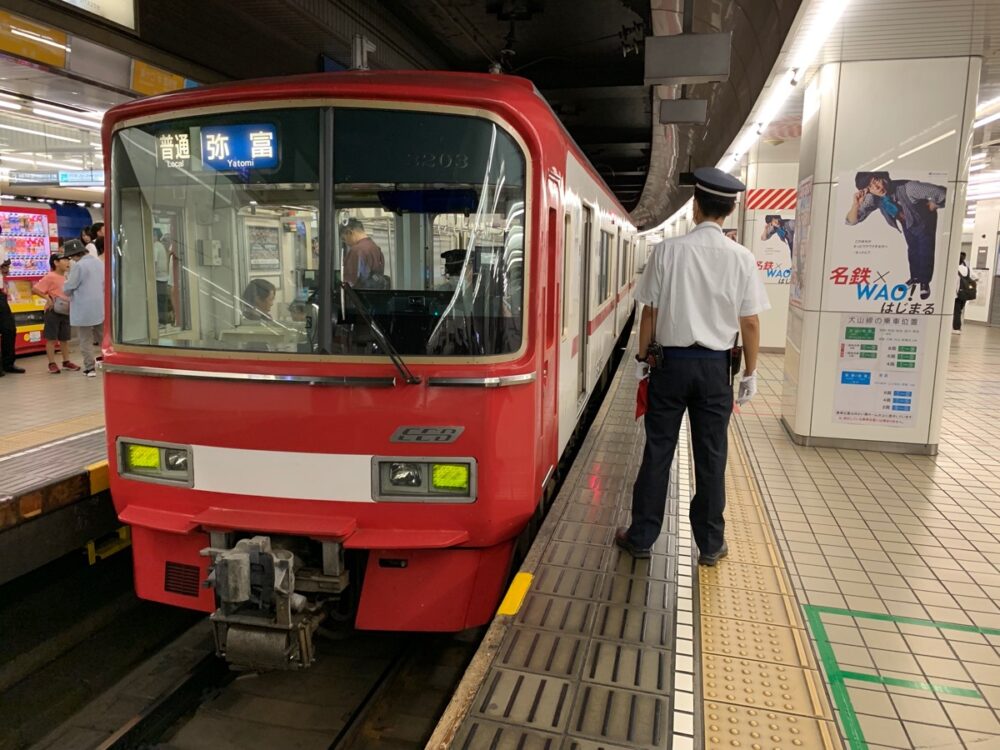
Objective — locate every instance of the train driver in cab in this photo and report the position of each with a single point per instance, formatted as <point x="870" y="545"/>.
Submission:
<point x="454" y="261"/>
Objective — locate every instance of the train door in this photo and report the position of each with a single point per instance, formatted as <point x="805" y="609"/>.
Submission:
<point x="550" y="327"/>
<point x="586" y="235"/>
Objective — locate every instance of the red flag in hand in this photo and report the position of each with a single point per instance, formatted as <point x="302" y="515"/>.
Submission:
<point x="642" y="397"/>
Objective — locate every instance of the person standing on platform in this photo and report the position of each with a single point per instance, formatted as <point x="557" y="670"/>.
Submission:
<point x="95" y="232"/>
<point x="8" y="328"/>
<point x="699" y="292"/>
<point x="962" y="293"/>
<point x="85" y="288"/>
<point x="56" y="315"/>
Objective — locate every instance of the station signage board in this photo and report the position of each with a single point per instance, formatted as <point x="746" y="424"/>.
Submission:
<point x="19" y="177"/>
<point x="82" y="178"/>
<point x="121" y="12"/>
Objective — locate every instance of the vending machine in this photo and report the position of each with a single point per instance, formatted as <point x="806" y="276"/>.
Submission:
<point x="30" y="236"/>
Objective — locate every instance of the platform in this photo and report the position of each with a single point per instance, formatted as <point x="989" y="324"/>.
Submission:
<point x="53" y="466"/>
<point x="858" y="607"/>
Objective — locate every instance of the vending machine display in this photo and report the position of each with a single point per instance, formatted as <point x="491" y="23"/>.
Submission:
<point x="28" y="239"/>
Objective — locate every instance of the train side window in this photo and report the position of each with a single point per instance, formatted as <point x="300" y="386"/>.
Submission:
<point x="567" y="235"/>
<point x="604" y="267"/>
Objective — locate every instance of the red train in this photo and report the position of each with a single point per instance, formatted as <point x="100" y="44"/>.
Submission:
<point x="355" y="319"/>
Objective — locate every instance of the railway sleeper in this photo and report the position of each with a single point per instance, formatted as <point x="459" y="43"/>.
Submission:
<point x="270" y="600"/>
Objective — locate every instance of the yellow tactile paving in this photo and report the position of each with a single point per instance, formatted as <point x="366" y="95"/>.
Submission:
<point x="753" y="640"/>
<point x="760" y="683"/>
<point x="24" y="439"/>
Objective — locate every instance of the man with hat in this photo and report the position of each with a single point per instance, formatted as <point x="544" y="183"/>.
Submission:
<point x="699" y="292"/>
<point x="85" y="287"/>
<point x="8" y="328"/>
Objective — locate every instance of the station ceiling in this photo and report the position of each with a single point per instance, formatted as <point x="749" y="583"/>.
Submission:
<point x="585" y="56"/>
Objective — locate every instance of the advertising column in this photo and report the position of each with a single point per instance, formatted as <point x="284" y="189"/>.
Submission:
<point x="769" y="228"/>
<point x="872" y="283"/>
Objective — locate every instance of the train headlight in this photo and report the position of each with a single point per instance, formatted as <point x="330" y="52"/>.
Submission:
<point x="424" y="480"/>
<point x="406" y="475"/>
<point x="154" y="462"/>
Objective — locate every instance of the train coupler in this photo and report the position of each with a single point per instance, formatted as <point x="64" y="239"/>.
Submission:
<point x="262" y="622"/>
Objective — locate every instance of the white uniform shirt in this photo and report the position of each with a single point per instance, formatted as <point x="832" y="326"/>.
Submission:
<point x="701" y="285"/>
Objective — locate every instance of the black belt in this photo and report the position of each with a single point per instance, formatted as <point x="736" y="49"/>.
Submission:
<point x="694" y="352"/>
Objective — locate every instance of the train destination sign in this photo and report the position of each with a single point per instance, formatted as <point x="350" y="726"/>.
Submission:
<point x="239" y="147"/>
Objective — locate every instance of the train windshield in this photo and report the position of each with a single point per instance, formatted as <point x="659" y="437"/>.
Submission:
<point x="236" y="232"/>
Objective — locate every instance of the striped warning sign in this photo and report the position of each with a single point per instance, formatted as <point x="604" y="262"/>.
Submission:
<point x="778" y="199"/>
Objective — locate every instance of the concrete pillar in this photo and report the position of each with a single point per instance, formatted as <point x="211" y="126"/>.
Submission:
<point x="983" y="260"/>
<point x="771" y="177"/>
<point x="872" y="290"/>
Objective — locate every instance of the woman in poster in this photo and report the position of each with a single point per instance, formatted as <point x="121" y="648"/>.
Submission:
<point x="910" y="206"/>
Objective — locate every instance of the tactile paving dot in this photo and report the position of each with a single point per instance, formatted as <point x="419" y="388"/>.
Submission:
<point x="742" y="576"/>
<point x="772" y="687"/>
<point x="754" y="532"/>
<point x="774" y="644"/>
<point x="743" y="550"/>
<point x="749" y="606"/>
<point x="728" y="726"/>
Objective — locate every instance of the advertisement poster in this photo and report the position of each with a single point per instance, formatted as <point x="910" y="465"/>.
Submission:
<point x="800" y="250"/>
<point x="885" y="241"/>
<point x="264" y="245"/>
<point x="772" y="211"/>
<point x="878" y="369"/>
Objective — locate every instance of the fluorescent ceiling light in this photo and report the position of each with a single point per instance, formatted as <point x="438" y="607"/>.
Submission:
<point x="9" y="105"/>
<point x="987" y="120"/>
<point x="37" y="38"/>
<point x="809" y="46"/>
<point x="74" y="119"/>
<point x="38" y="163"/>
<point x="978" y="155"/>
<point x="42" y="133"/>
<point x="931" y="142"/>
<point x="880" y="167"/>
<point x="987" y="105"/>
<point x="977" y="167"/>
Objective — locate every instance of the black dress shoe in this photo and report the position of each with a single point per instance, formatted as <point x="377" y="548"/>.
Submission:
<point x="925" y="291"/>
<point x="710" y="560"/>
<point x="622" y="540"/>
<point x="14" y="369"/>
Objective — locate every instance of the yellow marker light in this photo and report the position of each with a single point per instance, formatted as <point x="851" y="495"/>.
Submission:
<point x="143" y="457"/>
<point x="515" y="594"/>
<point x="450" y="476"/>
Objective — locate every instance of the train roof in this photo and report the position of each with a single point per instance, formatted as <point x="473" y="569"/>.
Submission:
<point x="513" y="97"/>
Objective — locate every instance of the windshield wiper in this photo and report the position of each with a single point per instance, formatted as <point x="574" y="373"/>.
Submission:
<point x="383" y="340"/>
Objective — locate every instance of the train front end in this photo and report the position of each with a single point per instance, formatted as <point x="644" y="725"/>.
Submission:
<point x="315" y="405"/>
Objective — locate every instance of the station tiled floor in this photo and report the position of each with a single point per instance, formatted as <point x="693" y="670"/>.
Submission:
<point x="39" y="408"/>
<point x="896" y="561"/>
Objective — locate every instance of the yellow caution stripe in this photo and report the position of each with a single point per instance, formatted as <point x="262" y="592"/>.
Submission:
<point x="515" y="594"/>
<point x="98" y="477"/>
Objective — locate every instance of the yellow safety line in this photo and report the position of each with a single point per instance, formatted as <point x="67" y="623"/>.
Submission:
<point x="803" y="714"/>
<point x="515" y="594"/>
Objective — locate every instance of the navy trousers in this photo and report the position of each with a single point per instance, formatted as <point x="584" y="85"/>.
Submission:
<point x="702" y="387"/>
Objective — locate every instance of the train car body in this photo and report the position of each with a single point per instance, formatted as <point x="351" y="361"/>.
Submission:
<point x="294" y="421"/>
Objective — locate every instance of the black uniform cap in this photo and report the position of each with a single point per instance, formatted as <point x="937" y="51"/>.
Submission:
<point x="716" y="182"/>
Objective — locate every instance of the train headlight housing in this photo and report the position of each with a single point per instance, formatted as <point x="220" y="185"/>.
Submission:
<point x="424" y="480"/>
<point x="154" y="462"/>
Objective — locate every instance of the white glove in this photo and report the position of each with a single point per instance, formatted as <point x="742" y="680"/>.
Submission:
<point x="748" y="388"/>
<point x="641" y="370"/>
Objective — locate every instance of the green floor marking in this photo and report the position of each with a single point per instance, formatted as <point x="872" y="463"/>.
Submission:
<point x="836" y="676"/>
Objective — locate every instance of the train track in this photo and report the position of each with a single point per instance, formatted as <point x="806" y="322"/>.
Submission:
<point x="366" y="690"/>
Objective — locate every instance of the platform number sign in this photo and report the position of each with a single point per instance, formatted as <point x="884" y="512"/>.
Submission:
<point x="239" y="147"/>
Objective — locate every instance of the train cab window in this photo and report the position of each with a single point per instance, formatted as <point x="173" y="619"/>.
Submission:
<point x="441" y="200"/>
<point x="217" y="242"/>
<point x="215" y="236"/>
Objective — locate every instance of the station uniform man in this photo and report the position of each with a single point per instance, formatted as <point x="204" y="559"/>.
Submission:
<point x="698" y="292"/>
